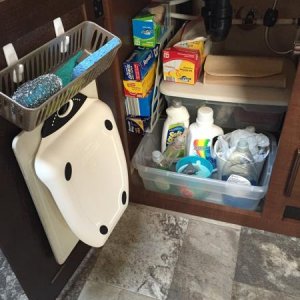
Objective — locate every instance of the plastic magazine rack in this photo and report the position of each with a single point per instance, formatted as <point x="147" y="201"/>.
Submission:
<point x="87" y="37"/>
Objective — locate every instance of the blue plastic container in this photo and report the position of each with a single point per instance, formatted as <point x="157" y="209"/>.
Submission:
<point x="204" y="165"/>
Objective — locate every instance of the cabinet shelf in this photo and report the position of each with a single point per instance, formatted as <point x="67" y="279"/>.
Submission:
<point x="233" y="94"/>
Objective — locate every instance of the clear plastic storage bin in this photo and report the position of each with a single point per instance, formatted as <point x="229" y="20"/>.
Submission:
<point x="206" y="189"/>
<point x="238" y="115"/>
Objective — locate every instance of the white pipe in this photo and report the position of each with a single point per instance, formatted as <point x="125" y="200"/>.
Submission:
<point x="177" y="2"/>
<point x="267" y="39"/>
<point x="183" y="16"/>
<point x="291" y="21"/>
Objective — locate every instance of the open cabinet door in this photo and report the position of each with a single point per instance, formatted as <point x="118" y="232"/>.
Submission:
<point x="28" y="25"/>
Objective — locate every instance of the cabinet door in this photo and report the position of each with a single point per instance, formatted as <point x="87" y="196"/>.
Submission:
<point x="28" y="24"/>
<point x="284" y="190"/>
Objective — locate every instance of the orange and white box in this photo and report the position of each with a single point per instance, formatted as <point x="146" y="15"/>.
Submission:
<point x="181" y="65"/>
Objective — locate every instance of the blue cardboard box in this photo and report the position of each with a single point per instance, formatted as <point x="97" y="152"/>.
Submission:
<point x="139" y="106"/>
<point x="139" y="63"/>
<point x="137" y="125"/>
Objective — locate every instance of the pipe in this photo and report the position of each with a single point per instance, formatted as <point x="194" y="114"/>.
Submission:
<point x="291" y="21"/>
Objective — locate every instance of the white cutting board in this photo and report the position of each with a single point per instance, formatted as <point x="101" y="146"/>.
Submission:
<point x="62" y="240"/>
<point x="82" y="163"/>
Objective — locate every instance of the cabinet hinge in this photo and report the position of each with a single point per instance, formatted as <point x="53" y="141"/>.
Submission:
<point x="98" y="8"/>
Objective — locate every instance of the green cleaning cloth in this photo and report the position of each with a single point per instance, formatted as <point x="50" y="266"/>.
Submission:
<point x="65" y="71"/>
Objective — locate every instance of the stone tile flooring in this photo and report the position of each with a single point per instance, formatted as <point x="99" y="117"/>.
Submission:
<point x="164" y="255"/>
<point x="158" y="254"/>
<point x="9" y="285"/>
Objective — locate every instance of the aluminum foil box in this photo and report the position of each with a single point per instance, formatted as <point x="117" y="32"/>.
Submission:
<point x="138" y="64"/>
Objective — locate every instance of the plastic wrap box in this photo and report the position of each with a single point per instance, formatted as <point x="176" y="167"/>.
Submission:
<point x="206" y="189"/>
<point x="138" y="64"/>
<point x="238" y="115"/>
<point x="139" y="89"/>
<point x="140" y="107"/>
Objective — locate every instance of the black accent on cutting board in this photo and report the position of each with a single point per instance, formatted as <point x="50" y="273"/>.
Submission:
<point x="108" y="125"/>
<point x="68" y="171"/>
<point x="55" y="121"/>
<point x="124" y="198"/>
<point x="103" y="229"/>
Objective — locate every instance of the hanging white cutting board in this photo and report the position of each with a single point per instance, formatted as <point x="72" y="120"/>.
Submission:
<point x="61" y="239"/>
<point x="81" y="161"/>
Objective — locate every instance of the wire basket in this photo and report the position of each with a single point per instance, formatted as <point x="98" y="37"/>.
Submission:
<point x="88" y="37"/>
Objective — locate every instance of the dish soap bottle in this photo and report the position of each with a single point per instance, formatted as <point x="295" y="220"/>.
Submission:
<point x="178" y="119"/>
<point x="240" y="166"/>
<point x="201" y="135"/>
<point x="159" y="160"/>
<point x="175" y="150"/>
<point x="172" y="153"/>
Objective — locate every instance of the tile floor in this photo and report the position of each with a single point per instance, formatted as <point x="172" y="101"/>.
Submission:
<point x="157" y="254"/>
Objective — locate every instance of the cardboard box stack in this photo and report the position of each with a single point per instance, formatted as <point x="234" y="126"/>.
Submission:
<point x="140" y="68"/>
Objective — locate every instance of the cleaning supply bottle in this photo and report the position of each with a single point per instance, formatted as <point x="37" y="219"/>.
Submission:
<point x="172" y="153"/>
<point x="178" y="119"/>
<point x="201" y="135"/>
<point x="240" y="166"/>
<point x="159" y="160"/>
<point x="175" y="150"/>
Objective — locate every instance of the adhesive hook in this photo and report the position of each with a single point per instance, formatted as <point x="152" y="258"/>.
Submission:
<point x="12" y="59"/>
<point x="59" y="30"/>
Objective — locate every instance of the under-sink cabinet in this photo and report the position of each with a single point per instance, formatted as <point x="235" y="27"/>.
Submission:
<point x="28" y="24"/>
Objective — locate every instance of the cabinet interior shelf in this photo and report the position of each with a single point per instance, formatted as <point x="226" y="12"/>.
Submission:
<point x="233" y="94"/>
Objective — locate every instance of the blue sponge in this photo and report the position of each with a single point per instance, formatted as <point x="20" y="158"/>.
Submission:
<point x="94" y="57"/>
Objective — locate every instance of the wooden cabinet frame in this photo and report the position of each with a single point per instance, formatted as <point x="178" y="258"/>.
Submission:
<point x="28" y="24"/>
<point x="272" y="216"/>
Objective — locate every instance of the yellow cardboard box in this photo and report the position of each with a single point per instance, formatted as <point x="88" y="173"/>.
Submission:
<point x="140" y="89"/>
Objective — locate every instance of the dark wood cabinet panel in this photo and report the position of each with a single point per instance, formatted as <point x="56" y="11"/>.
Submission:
<point x="293" y="184"/>
<point x="28" y="24"/>
<point x="289" y="143"/>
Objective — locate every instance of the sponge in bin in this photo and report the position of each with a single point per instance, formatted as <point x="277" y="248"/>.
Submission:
<point x="94" y="57"/>
<point x="33" y="93"/>
<point x="65" y="71"/>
